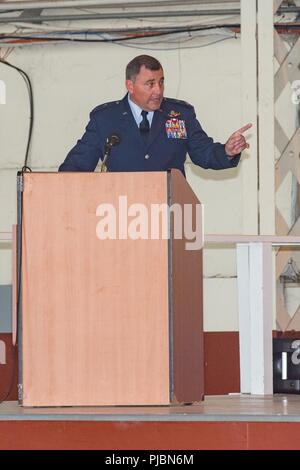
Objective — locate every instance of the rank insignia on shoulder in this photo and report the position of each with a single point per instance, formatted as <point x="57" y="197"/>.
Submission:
<point x="174" y="114"/>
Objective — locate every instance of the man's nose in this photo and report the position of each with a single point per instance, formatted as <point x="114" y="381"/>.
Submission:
<point x="157" y="87"/>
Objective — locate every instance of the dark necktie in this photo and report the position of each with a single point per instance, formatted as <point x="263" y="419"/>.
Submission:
<point x="144" y="125"/>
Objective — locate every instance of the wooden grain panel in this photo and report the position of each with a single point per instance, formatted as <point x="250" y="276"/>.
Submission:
<point x="95" y="313"/>
<point x="187" y="307"/>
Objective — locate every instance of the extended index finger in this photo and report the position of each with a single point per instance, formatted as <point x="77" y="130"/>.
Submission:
<point x="244" y="129"/>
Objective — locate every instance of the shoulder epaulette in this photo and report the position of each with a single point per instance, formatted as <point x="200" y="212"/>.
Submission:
<point x="180" y="102"/>
<point x="104" y="106"/>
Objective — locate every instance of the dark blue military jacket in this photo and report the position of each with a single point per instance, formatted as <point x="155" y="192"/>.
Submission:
<point x="174" y="132"/>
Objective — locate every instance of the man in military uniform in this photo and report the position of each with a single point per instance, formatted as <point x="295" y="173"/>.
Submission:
<point x="151" y="133"/>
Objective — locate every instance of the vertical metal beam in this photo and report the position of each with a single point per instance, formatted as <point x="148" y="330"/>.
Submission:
<point x="250" y="111"/>
<point x="266" y="111"/>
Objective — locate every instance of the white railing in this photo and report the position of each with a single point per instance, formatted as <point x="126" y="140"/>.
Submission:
<point x="255" y="305"/>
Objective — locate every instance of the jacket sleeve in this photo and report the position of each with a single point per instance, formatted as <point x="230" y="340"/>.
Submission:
<point x="88" y="150"/>
<point x="204" y="151"/>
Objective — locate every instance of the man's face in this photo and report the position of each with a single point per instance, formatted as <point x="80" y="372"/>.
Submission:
<point x="147" y="89"/>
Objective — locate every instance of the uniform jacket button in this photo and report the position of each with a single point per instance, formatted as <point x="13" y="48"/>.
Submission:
<point x="147" y="157"/>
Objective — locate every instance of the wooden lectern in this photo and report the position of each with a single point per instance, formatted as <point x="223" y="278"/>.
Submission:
<point x="106" y="321"/>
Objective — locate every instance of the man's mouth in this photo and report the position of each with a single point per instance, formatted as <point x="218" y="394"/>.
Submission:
<point x="156" y="100"/>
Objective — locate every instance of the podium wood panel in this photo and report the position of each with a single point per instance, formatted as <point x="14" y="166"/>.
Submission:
<point x="187" y="304"/>
<point x="95" y="313"/>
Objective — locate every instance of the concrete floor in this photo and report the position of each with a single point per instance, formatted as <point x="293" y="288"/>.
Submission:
<point x="277" y="408"/>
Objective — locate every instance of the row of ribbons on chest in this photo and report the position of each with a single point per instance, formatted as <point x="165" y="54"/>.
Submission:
<point x="175" y="128"/>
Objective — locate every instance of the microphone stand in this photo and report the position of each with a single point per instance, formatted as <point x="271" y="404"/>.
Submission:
<point x="107" y="150"/>
<point x="111" y="141"/>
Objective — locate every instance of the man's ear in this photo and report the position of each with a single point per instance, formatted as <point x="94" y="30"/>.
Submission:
<point x="129" y="86"/>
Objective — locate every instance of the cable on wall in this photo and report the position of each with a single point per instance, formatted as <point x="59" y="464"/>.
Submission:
<point x="31" y="117"/>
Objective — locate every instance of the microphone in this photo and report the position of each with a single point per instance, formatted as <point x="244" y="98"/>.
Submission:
<point x="111" y="142"/>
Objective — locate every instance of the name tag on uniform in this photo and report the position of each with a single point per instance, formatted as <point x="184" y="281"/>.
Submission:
<point x="176" y="129"/>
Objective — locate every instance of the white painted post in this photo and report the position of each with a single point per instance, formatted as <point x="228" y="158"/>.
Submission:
<point x="249" y="167"/>
<point x="242" y="252"/>
<point x="261" y="317"/>
<point x="266" y="111"/>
